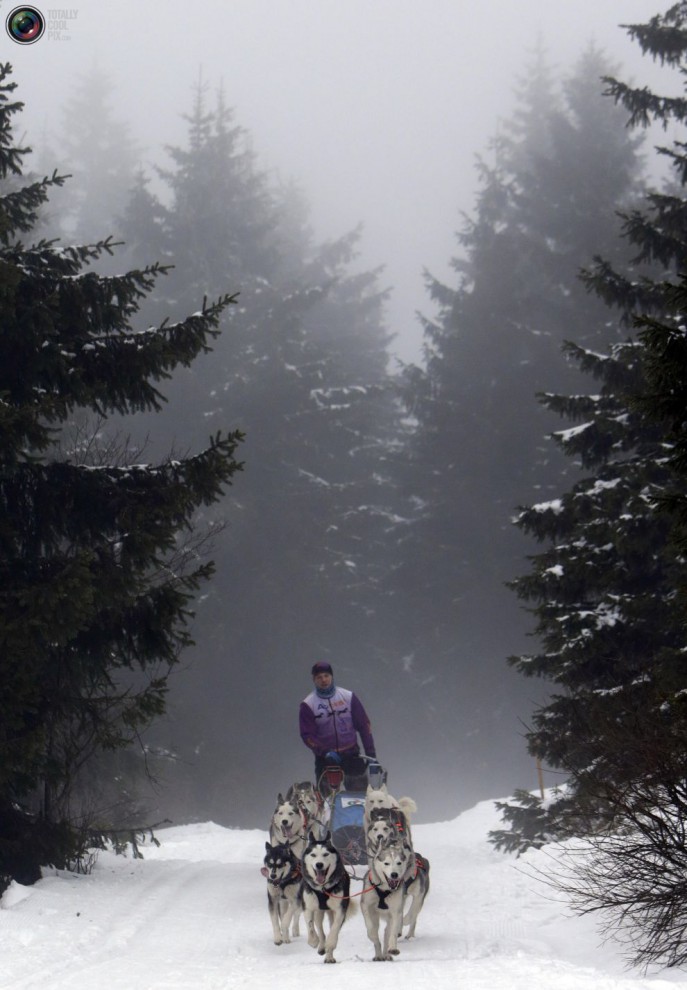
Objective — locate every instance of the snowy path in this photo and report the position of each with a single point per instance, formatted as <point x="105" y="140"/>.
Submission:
<point x="192" y="916"/>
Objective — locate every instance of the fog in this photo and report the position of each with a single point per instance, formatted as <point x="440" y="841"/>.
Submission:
<point x="376" y="109"/>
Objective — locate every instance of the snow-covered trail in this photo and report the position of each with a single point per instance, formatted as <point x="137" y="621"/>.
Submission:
<point x="193" y="916"/>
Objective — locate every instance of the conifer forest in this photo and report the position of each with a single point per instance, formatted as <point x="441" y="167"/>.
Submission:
<point x="215" y="471"/>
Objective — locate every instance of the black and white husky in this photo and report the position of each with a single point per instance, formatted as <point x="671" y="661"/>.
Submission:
<point x="383" y="899"/>
<point x="284" y="889"/>
<point x="326" y="886"/>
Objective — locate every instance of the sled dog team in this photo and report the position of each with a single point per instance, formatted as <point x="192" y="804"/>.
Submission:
<point x="306" y="874"/>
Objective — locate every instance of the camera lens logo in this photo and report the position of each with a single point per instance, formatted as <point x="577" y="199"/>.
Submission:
<point x="25" y="25"/>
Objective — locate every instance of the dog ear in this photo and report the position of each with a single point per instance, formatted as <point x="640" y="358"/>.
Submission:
<point x="268" y="847"/>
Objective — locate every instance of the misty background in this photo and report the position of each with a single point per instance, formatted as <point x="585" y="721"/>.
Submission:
<point x="352" y="534"/>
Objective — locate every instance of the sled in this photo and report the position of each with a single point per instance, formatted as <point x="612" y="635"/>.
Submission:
<point x="346" y="818"/>
<point x="347" y="828"/>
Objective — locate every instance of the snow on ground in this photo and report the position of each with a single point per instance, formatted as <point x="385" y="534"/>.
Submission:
<point x="192" y="915"/>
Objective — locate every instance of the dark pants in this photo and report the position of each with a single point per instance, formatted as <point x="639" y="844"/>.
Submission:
<point x="354" y="770"/>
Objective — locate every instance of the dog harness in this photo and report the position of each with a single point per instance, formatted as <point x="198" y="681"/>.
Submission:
<point x="294" y="877"/>
<point x="321" y="892"/>
<point x="381" y="894"/>
<point x="420" y="864"/>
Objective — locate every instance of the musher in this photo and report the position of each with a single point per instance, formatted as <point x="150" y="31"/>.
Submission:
<point x="331" y="719"/>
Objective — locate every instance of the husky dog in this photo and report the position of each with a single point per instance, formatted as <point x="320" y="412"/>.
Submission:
<point x="383" y="899"/>
<point x="326" y="887"/>
<point x="380" y="832"/>
<point x="379" y="797"/>
<point x="305" y="795"/>
<point x="287" y="826"/>
<point x="416" y="886"/>
<point x="284" y="889"/>
<point x="392" y="819"/>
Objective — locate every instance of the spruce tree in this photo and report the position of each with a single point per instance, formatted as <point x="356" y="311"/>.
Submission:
<point x="97" y="150"/>
<point x="603" y="588"/>
<point x="557" y="172"/>
<point x="608" y="589"/>
<point x="93" y="612"/>
<point x="302" y="368"/>
<point x="606" y="586"/>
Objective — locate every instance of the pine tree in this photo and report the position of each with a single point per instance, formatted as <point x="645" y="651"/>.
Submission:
<point x="663" y="401"/>
<point x="96" y="599"/>
<point x="97" y="150"/>
<point x="302" y="367"/>
<point x="606" y="587"/>
<point x="561" y="170"/>
<point x="609" y="587"/>
<point x="557" y="172"/>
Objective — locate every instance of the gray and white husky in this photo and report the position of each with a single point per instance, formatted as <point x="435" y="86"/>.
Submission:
<point x="383" y="899"/>
<point x="386" y="825"/>
<point x="307" y="797"/>
<point x="284" y="890"/>
<point x="326" y="886"/>
<point x="380" y="832"/>
<point x="287" y="826"/>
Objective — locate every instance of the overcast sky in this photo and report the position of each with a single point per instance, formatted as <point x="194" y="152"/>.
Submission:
<point x="376" y="108"/>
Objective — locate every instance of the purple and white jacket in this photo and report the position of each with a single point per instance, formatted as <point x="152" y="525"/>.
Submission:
<point x="334" y="723"/>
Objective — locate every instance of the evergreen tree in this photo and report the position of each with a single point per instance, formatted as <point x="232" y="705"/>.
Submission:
<point x="605" y="584"/>
<point x="303" y="368"/>
<point x="609" y="587"/>
<point x="559" y="170"/>
<point x="95" y="600"/>
<point x="97" y="150"/>
<point x="562" y="169"/>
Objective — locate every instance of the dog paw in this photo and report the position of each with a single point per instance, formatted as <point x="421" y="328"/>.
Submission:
<point x="320" y="952"/>
<point x="332" y="960"/>
<point x="394" y="952"/>
<point x="277" y="942"/>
